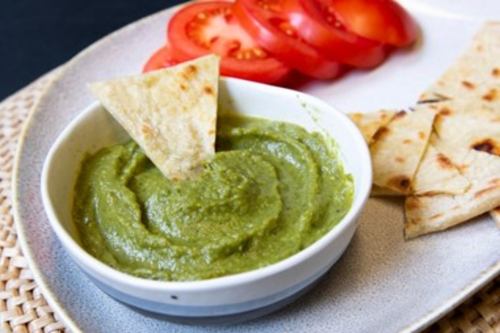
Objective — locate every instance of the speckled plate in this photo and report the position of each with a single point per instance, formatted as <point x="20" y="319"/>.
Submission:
<point x="381" y="284"/>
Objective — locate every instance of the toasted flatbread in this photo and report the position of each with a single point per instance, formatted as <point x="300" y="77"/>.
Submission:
<point x="429" y="213"/>
<point x="397" y="148"/>
<point x="370" y="122"/>
<point x="475" y="76"/>
<point x="436" y="174"/>
<point x="469" y="137"/>
<point x="171" y="113"/>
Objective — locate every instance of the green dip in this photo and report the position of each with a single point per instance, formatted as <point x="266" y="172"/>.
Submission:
<point x="272" y="189"/>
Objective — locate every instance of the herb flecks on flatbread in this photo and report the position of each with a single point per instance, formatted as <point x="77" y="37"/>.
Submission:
<point x="171" y="113"/>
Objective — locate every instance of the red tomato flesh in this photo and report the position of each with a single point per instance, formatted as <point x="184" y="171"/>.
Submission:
<point x="160" y="59"/>
<point x="381" y="20"/>
<point x="268" y="22"/>
<point x="316" y="25"/>
<point x="210" y="27"/>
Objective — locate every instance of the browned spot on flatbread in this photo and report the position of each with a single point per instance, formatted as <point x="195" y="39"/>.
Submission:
<point x="429" y="194"/>
<point x="147" y="130"/>
<point x="485" y="190"/>
<point x="496" y="182"/>
<point x="400" y="114"/>
<point x="479" y="48"/>
<point x="151" y="81"/>
<point x="495" y="72"/>
<point x="399" y="159"/>
<point x="183" y="86"/>
<point x="494" y="185"/>
<point x="488" y="146"/>
<point x="491" y="95"/>
<point x="208" y="90"/>
<point x="436" y="216"/>
<point x="407" y="141"/>
<point x="469" y="85"/>
<point x="444" y="162"/>
<point x="189" y="72"/>
<point x="429" y="100"/>
<point x="412" y="203"/>
<point x="380" y="133"/>
<point x="357" y="116"/>
<point x="402" y="183"/>
<point x="421" y="135"/>
<point x="444" y="111"/>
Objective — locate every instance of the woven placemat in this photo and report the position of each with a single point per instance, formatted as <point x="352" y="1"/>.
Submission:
<point x="22" y="305"/>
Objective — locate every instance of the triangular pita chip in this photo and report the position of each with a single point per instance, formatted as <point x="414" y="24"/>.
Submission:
<point x="171" y="113"/>
<point x="429" y="213"/>
<point x="469" y="136"/>
<point x="369" y="123"/>
<point x="435" y="174"/>
<point x="476" y="74"/>
<point x="397" y="148"/>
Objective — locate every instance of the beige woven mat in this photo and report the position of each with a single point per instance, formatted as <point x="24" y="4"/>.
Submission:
<point x="23" y="307"/>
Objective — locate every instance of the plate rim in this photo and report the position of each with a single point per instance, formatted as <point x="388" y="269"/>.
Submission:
<point x="432" y="316"/>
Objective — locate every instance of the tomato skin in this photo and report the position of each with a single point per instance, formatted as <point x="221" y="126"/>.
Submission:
<point x="162" y="58"/>
<point x="252" y="63"/>
<point x="291" y="50"/>
<point x="320" y="29"/>
<point x="381" y="20"/>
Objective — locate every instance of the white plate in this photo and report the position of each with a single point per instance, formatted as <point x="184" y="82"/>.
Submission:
<point x="382" y="284"/>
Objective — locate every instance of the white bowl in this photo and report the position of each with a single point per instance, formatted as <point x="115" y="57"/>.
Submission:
<point x="241" y="296"/>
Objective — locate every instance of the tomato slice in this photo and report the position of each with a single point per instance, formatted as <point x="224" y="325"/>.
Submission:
<point x="210" y="27"/>
<point x="268" y="21"/>
<point x="160" y="59"/>
<point x="381" y="20"/>
<point x="316" y="25"/>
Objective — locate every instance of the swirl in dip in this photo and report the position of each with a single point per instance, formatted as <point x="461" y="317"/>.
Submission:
<point x="271" y="190"/>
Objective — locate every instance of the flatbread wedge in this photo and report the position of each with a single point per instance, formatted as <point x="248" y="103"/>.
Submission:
<point x="398" y="147"/>
<point x="475" y="76"/>
<point x="171" y="113"/>
<point x="435" y="174"/>
<point x="468" y="135"/>
<point x="430" y="213"/>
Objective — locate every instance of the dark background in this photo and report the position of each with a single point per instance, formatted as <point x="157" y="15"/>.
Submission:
<point x="38" y="35"/>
